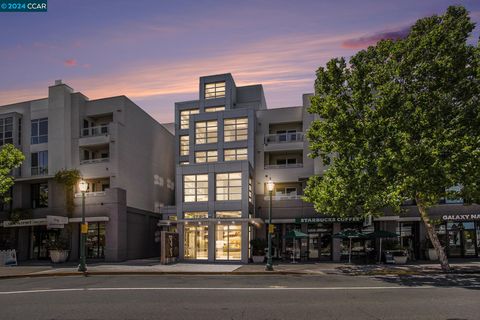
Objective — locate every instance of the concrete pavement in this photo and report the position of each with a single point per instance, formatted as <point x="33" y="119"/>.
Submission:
<point x="152" y="266"/>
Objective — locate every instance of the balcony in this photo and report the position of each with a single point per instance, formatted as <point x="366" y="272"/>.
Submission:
<point x="97" y="135"/>
<point x="284" y="166"/>
<point x="91" y="194"/>
<point x="92" y="161"/>
<point x="95" y="131"/>
<point x="278" y="197"/>
<point x="284" y="141"/>
<point x="39" y="171"/>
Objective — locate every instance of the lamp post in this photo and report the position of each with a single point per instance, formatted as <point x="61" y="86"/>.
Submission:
<point x="269" y="266"/>
<point x="82" y="267"/>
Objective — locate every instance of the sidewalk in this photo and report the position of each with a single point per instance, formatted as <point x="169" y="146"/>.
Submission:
<point x="152" y="266"/>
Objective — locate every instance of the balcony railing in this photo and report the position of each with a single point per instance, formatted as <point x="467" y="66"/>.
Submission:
<point x="95" y="131"/>
<point x="91" y="194"/>
<point x="284" y="197"/>
<point x="39" y="171"/>
<point x="284" y="137"/>
<point x="98" y="160"/>
<point x="284" y="166"/>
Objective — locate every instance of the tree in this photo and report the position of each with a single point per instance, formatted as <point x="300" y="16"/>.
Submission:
<point x="400" y="121"/>
<point x="10" y="158"/>
<point x="69" y="178"/>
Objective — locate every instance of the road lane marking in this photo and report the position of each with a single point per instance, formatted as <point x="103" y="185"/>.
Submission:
<point x="41" y="291"/>
<point x="279" y="288"/>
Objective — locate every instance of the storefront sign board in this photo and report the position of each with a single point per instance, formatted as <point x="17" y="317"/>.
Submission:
<point x="459" y="217"/>
<point x="328" y="219"/>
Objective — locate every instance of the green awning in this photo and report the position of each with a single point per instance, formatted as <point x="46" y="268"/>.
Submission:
<point x="295" y="234"/>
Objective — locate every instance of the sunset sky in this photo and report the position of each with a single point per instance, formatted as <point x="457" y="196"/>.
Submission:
<point x="154" y="51"/>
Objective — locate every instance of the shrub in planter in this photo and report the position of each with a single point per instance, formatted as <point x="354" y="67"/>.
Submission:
<point x="258" y="250"/>
<point x="400" y="255"/>
<point x="58" y="250"/>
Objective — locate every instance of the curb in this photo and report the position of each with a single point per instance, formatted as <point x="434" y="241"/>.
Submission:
<point x="160" y="273"/>
<point x="233" y="273"/>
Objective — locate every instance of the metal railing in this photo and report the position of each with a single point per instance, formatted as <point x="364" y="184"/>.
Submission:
<point x="39" y="171"/>
<point x="91" y="194"/>
<point x="284" y="137"/>
<point x="284" y="197"/>
<point x="284" y="166"/>
<point x="98" y="160"/>
<point x="95" y="131"/>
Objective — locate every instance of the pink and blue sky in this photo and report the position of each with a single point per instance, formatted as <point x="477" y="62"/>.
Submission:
<point x="154" y="51"/>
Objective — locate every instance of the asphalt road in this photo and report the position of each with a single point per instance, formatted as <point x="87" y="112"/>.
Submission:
<point x="452" y="297"/>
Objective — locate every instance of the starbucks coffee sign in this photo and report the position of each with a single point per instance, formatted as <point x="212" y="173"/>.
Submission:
<point x="460" y="217"/>
<point x="328" y="219"/>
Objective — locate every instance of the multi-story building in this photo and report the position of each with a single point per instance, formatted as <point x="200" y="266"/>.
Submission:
<point x="123" y="154"/>
<point x="228" y="145"/>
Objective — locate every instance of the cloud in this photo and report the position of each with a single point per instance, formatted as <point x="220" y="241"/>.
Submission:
<point x="70" y="63"/>
<point x="279" y="63"/>
<point x="362" y="42"/>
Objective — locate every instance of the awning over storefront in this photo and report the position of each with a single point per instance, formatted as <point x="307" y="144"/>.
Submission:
<point x="89" y="219"/>
<point x="52" y="222"/>
<point x="25" y="223"/>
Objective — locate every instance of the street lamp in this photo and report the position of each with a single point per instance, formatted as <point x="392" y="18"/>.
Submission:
<point x="82" y="267"/>
<point x="269" y="266"/>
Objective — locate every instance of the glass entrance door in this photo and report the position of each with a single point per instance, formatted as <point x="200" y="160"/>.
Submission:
<point x="40" y="239"/>
<point x="454" y="243"/>
<point x="468" y="241"/>
<point x="461" y="239"/>
<point x="313" y="246"/>
<point x="196" y="242"/>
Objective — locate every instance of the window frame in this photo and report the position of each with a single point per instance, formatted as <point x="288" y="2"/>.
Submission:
<point x="207" y="156"/>
<point x="236" y="154"/>
<point x="197" y="197"/>
<point x="6" y="129"/>
<point x="41" y="158"/>
<point x="35" y="134"/>
<point x="214" y="90"/>
<point x="184" y="148"/>
<point x="184" y="117"/>
<point x="195" y="215"/>
<point x="215" y="109"/>
<point x="233" y="129"/>
<point x="223" y="187"/>
<point x="209" y="134"/>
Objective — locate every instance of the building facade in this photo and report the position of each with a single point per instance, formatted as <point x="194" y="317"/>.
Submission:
<point x="119" y="150"/>
<point x="228" y="145"/>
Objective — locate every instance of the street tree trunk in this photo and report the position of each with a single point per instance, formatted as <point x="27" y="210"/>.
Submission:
<point x="432" y="235"/>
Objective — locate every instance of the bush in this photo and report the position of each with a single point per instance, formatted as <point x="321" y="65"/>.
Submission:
<point x="258" y="246"/>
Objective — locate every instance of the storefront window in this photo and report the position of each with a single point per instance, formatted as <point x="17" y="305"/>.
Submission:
<point x="319" y="241"/>
<point x="462" y="238"/>
<point x="96" y="240"/>
<point x="196" y="242"/>
<point x="41" y="237"/>
<point x="228" y="242"/>
<point x="478" y="238"/>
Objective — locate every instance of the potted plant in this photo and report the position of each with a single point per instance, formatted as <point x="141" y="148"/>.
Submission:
<point x="430" y="251"/>
<point x="258" y="250"/>
<point x="400" y="255"/>
<point x="58" y="250"/>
